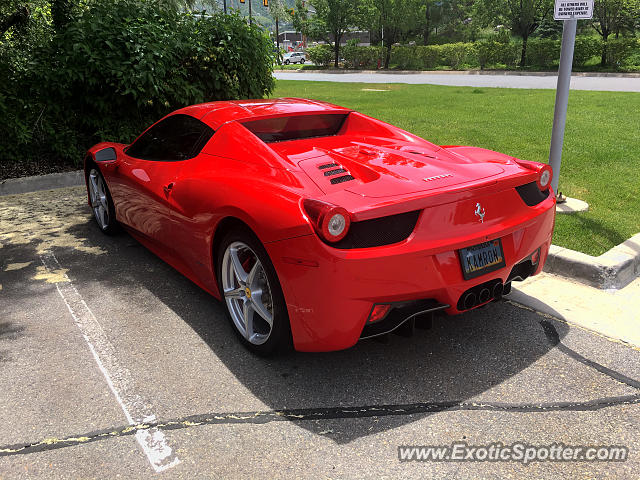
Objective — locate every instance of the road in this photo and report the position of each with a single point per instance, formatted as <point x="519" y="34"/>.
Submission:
<point x="613" y="84"/>
<point x="113" y="364"/>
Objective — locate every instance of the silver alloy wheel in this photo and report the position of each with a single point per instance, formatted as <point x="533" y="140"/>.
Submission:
<point x="247" y="293"/>
<point x="98" y="196"/>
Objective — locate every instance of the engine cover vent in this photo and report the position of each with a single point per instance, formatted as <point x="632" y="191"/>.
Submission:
<point x="343" y="178"/>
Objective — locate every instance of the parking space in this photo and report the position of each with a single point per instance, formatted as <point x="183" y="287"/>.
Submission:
<point x="113" y="363"/>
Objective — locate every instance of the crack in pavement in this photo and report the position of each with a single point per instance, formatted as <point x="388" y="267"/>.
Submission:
<point x="306" y="414"/>
<point x="366" y="411"/>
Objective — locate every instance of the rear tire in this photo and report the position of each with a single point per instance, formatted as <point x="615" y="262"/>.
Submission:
<point x="252" y="294"/>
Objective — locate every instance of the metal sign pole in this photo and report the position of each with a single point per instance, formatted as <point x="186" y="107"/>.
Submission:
<point x="562" y="99"/>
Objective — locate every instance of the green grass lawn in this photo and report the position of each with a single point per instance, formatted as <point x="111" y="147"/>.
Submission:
<point x="601" y="156"/>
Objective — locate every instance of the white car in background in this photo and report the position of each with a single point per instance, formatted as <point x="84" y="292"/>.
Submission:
<point x="293" y="57"/>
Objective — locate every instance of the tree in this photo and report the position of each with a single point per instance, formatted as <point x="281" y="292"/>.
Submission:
<point x="300" y="17"/>
<point x="395" y="18"/>
<point x="333" y="19"/>
<point x="452" y="19"/>
<point x="522" y="16"/>
<point x="613" y="17"/>
<point x="278" y="10"/>
<point x="433" y="13"/>
<point x="18" y="18"/>
<point x="61" y="14"/>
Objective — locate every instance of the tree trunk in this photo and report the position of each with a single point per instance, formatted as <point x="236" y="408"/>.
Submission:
<point x="427" y="26"/>
<point x="336" y="49"/>
<point x="603" y="59"/>
<point x="278" y="43"/>
<point x="523" y="55"/>
<point x="387" y="55"/>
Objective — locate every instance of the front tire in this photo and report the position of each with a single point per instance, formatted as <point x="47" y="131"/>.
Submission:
<point x="252" y="294"/>
<point x="286" y="62"/>
<point x="104" y="212"/>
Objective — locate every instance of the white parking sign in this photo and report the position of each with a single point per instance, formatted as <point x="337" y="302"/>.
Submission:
<point x="568" y="9"/>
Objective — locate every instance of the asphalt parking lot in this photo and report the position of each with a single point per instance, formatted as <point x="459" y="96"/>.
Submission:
<point x="113" y="364"/>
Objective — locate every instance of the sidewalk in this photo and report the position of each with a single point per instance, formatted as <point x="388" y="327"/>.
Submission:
<point x="537" y="80"/>
<point x="612" y="313"/>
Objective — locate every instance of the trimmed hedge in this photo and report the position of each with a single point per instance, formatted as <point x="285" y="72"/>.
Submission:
<point x="585" y="48"/>
<point x="321" y="55"/>
<point x="364" y="58"/>
<point x="453" y="55"/>
<point x="541" y="53"/>
<point x="493" y="53"/>
<point x="620" y="50"/>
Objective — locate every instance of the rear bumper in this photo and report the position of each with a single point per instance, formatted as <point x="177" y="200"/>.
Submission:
<point x="330" y="293"/>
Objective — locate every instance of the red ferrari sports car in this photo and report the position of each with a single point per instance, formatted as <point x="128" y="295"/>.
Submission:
<point x="319" y="226"/>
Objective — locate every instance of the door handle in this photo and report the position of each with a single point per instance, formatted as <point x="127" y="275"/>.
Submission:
<point x="168" y="188"/>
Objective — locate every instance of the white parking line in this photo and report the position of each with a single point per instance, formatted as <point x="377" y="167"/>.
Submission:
<point x="119" y="379"/>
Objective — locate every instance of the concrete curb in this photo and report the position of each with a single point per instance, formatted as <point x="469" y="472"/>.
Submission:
<point x="50" y="181"/>
<point x="465" y="72"/>
<point x="612" y="270"/>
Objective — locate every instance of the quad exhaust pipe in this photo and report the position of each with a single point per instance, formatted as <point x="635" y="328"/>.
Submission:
<point x="484" y="296"/>
<point x="469" y="300"/>
<point x="483" y="293"/>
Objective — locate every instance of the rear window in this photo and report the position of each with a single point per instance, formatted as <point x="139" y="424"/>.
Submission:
<point x="296" y="127"/>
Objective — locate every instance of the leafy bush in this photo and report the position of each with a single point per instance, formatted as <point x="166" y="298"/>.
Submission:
<point x="428" y="56"/>
<point x="361" y="57"/>
<point x="620" y="50"/>
<point x="453" y="55"/>
<point x="405" y="58"/>
<point x="495" y="53"/>
<point x="457" y="55"/>
<point x="543" y="52"/>
<point x="125" y="63"/>
<point x="585" y="48"/>
<point x="321" y="55"/>
<point x="416" y="57"/>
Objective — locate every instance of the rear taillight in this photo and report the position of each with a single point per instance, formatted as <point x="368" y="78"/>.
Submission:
<point x="330" y="222"/>
<point x="545" y="173"/>
<point x="544" y="179"/>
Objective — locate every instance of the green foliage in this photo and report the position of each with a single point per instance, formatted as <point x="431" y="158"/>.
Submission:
<point x="333" y="18"/>
<point x="62" y="13"/>
<point x="361" y="57"/>
<point x="493" y="53"/>
<point x="121" y="65"/>
<point x="415" y="57"/>
<point x="543" y="52"/>
<point x="452" y="55"/>
<point x="321" y="55"/>
<point x="585" y="49"/>
<point x="459" y="55"/>
<point x="620" y="50"/>
<point x="522" y="16"/>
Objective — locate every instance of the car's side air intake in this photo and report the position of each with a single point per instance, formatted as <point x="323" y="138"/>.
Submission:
<point x="531" y="194"/>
